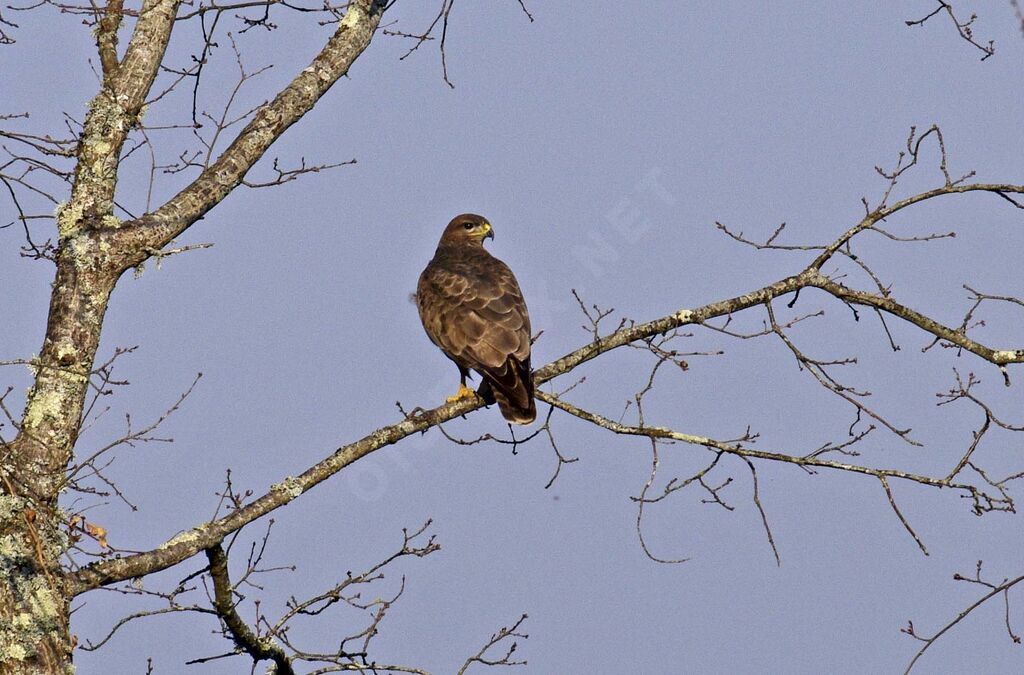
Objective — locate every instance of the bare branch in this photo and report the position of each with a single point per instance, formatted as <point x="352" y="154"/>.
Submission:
<point x="996" y="589"/>
<point x="106" y="37"/>
<point x="760" y="510"/>
<point x="962" y="27"/>
<point x="642" y="500"/>
<point x="288" y="175"/>
<point x="502" y="635"/>
<point x="156" y="229"/>
<point x="999" y="357"/>
<point x="810" y="461"/>
<point x="260" y="649"/>
<point x="899" y="514"/>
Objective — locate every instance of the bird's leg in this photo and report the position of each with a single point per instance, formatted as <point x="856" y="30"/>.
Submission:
<point x="464" y="391"/>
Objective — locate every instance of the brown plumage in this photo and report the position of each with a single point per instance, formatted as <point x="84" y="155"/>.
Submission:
<point x="471" y="307"/>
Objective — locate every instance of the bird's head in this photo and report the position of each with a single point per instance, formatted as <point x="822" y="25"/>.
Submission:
<point x="467" y="228"/>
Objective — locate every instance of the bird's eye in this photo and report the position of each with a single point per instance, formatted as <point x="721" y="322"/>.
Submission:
<point x="468" y="226"/>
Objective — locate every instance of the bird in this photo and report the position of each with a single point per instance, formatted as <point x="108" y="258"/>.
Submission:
<point x="473" y="310"/>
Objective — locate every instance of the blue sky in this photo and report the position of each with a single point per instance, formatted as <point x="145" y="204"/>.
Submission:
<point x="603" y="145"/>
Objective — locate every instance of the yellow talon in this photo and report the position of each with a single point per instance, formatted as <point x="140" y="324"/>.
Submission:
<point x="464" y="392"/>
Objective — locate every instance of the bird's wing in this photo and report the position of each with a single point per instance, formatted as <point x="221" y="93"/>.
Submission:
<point x="476" y="316"/>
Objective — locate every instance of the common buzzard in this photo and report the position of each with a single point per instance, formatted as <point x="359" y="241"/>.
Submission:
<point x="471" y="307"/>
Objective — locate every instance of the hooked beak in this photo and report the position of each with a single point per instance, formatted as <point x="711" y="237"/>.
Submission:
<point x="489" y="234"/>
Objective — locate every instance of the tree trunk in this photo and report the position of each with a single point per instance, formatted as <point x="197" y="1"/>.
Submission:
<point x="34" y="604"/>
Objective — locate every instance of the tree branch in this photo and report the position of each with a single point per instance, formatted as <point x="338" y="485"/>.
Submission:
<point x="113" y="112"/>
<point x="155" y="230"/>
<point x="996" y="589"/>
<point x="106" y="37"/>
<point x="260" y="649"/>
<point x="503" y="634"/>
<point x="963" y="27"/>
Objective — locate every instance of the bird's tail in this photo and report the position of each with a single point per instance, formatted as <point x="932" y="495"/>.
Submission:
<point x="512" y="389"/>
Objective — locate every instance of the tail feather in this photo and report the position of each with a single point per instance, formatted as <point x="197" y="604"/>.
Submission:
<point x="512" y="389"/>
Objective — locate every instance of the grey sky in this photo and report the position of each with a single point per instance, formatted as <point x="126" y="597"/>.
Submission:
<point x="299" y="318"/>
